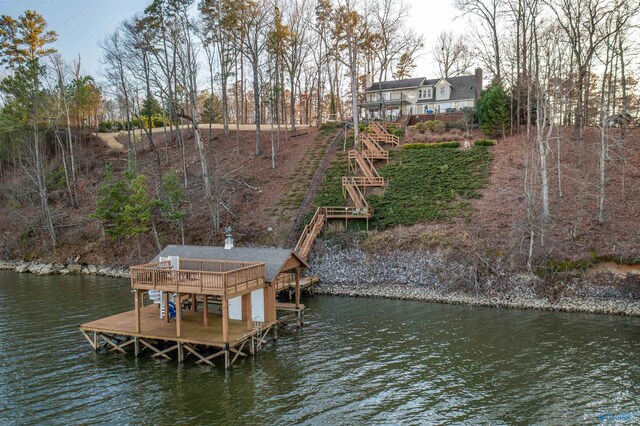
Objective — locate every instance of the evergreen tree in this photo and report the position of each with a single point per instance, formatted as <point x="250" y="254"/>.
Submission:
<point x="124" y="206"/>
<point x="493" y="111"/>
<point x="136" y="213"/>
<point x="150" y="107"/>
<point x="112" y="197"/>
<point x="174" y="198"/>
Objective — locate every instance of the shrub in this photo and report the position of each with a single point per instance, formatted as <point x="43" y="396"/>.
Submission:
<point x="457" y="125"/>
<point x="484" y="142"/>
<point x="436" y="126"/>
<point x="157" y="121"/>
<point x="422" y="127"/>
<point x="450" y="144"/>
<point x="396" y="131"/>
<point x="102" y="127"/>
<point x="135" y="123"/>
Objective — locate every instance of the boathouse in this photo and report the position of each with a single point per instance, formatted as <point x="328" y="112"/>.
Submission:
<point x="205" y="302"/>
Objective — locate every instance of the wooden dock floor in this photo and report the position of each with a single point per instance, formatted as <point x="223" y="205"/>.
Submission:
<point x="153" y="327"/>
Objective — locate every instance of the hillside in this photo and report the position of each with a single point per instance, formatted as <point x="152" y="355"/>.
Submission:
<point x="462" y="199"/>
<point x="442" y="204"/>
<point x="259" y="201"/>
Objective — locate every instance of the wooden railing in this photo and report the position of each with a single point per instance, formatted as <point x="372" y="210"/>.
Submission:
<point x="373" y="147"/>
<point x="385" y="138"/>
<point x="364" y="161"/>
<point x="199" y="276"/>
<point x="349" y="212"/>
<point x="352" y="185"/>
<point x="355" y="194"/>
<point x="363" y="181"/>
<point x="380" y="134"/>
<point x="310" y="232"/>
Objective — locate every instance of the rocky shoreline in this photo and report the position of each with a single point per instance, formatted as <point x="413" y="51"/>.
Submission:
<point x="408" y="276"/>
<point x="437" y="276"/>
<point x="71" y="268"/>
<point x="401" y="292"/>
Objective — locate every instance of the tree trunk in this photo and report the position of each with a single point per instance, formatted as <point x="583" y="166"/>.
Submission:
<point x="256" y="99"/>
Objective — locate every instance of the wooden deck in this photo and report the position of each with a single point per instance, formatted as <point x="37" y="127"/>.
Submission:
<point x="154" y="327"/>
<point x="203" y="342"/>
<point x="199" y="277"/>
<point x="284" y="282"/>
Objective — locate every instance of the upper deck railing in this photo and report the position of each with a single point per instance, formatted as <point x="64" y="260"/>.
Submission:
<point x="387" y="96"/>
<point x="222" y="278"/>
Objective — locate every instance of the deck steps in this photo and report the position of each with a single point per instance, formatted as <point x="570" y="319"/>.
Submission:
<point x="353" y="187"/>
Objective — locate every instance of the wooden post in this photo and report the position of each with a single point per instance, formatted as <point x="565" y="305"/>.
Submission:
<point x="205" y="310"/>
<point x="178" y="315"/>
<point x="297" y="287"/>
<point x="246" y="310"/>
<point x="225" y="325"/>
<point x="95" y="341"/>
<point x="194" y="303"/>
<point x="166" y="306"/>
<point x="180" y="352"/>
<point x="225" y="320"/>
<point x="298" y="323"/>
<point x="136" y="345"/>
<point x="136" y="299"/>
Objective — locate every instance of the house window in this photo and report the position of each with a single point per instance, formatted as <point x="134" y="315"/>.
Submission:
<point x="442" y="91"/>
<point x="424" y="93"/>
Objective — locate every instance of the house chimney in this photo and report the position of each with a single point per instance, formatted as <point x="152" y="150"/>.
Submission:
<point x="228" y="241"/>
<point x="478" y="82"/>
<point x="369" y="80"/>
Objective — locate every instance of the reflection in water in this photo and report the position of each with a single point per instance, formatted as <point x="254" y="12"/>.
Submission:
<point x="355" y="361"/>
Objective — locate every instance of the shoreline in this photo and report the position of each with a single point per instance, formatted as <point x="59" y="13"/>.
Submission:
<point x="592" y="305"/>
<point x="39" y="268"/>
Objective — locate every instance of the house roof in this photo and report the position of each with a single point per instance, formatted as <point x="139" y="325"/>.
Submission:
<point x="407" y="83"/>
<point x="462" y="87"/>
<point x="274" y="258"/>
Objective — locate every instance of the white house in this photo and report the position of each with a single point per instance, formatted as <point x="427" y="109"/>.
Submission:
<point x="422" y="96"/>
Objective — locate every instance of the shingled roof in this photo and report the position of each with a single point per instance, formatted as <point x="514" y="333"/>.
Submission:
<point x="396" y="84"/>
<point x="461" y="87"/>
<point x="274" y="258"/>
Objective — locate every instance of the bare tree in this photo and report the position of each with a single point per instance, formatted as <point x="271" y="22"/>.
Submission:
<point x="452" y="54"/>
<point x="350" y="31"/>
<point x="489" y="12"/>
<point x="251" y="20"/>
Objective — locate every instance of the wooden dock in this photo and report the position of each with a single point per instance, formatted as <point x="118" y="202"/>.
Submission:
<point x="203" y="343"/>
<point x="204" y="308"/>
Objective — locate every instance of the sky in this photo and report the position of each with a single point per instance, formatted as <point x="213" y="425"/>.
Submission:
<point x="82" y="24"/>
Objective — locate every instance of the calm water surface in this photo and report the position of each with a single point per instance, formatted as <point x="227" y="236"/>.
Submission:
<point x="356" y="361"/>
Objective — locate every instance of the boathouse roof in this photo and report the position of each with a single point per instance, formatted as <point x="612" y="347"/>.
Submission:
<point x="276" y="259"/>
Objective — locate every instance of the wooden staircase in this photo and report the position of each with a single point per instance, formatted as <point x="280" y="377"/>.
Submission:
<point x="353" y="187"/>
<point x="379" y="134"/>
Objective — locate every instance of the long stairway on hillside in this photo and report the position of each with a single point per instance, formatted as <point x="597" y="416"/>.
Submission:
<point x="365" y="174"/>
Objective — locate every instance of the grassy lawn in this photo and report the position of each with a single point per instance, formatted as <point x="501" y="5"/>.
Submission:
<point x="424" y="184"/>
<point x="330" y="191"/>
<point x="429" y="184"/>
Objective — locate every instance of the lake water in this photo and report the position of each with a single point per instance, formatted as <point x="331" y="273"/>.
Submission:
<point x="356" y="361"/>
